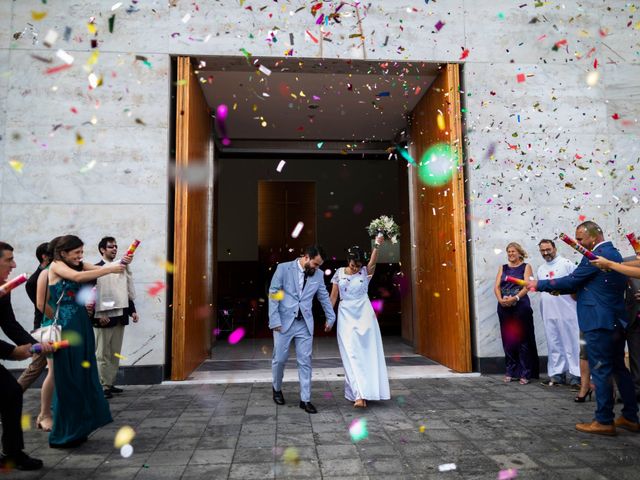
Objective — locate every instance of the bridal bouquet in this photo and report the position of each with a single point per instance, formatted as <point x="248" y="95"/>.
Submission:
<point x="386" y="226"/>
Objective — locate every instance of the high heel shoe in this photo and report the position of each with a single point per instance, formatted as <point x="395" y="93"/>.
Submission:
<point x="46" y="427"/>
<point x="582" y="399"/>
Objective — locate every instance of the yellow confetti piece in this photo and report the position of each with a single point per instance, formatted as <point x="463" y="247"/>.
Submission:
<point x="16" y="165"/>
<point x="422" y="428"/>
<point x="121" y="357"/>
<point x="85" y="364"/>
<point x="436" y="294"/>
<point x="92" y="28"/>
<point x="25" y="422"/>
<point x="124" y="436"/>
<point x="278" y="296"/>
<point x="291" y="456"/>
<point x="79" y="139"/>
<point x="441" y="122"/>
<point x="37" y="16"/>
<point x="93" y="59"/>
<point x="168" y="266"/>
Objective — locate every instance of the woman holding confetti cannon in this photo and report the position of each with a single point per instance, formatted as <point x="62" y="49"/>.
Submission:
<point x="79" y="406"/>
<point x="516" y="317"/>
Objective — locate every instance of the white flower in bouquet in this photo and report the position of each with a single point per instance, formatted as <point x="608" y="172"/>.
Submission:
<point x="385" y="226"/>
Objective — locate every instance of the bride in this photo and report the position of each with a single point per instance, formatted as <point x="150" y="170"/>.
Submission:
<point x="359" y="337"/>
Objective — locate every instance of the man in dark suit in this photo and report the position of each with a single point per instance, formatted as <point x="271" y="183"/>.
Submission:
<point x="632" y="297"/>
<point x="602" y="319"/>
<point x="13" y="455"/>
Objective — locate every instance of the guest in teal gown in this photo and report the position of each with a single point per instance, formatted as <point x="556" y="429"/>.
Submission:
<point x="79" y="406"/>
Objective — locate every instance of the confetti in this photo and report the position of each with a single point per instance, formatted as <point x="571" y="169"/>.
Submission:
<point x="358" y="430"/>
<point x="16" y="165"/>
<point x="405" y="154"/>
<point x="280" y="166"/>
<point x="441" y="122"/>
<point x="64" y="56"/>
<point x="25" y="422"/>
<point x="592" y="78"/>
<point x="88" y="166"/>
<point x="439" y="25"/>
<point x="377" y="305"/>
<point x="126" y="451"/>
<point x="520" y="77"/>
<point x="438" y="164"/>
<point x="447" y="467"/>
<point x="422" y="429"/>
<point x="222" y="111"/>
<point x="50" y="38"/>
<point x="156" y="288"/>
<point x="71" y="336"/>
<point x="277" y="296"/>
<point x="125" y="436"/>
<point x="291" y="456"/>
<point x="57" y="69"/>
<point x="296" y="231"/>
<point x="37" y="16"/>
<point x="507" y="474"/>
<point x="121" y="357"/>
<point x="236" y="335"/>
<point x="264" y="70"/>
<point x="85" y="364"/>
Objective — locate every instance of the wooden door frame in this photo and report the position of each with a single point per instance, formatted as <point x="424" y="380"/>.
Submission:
<point x="457" y="187"/>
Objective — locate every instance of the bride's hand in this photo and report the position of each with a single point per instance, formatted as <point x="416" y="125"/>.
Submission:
<point x="379" y="239"/>
<point x="327" y="327"/>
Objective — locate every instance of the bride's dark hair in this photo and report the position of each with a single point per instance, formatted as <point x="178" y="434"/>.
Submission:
<point x="356" y="254"/>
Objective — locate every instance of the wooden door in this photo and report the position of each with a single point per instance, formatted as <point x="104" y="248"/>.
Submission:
<point x="439" y="259"/>
<point x="193" y="258"/>
<point x="281" y="205"/>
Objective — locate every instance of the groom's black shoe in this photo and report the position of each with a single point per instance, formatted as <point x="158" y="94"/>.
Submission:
<point x="308" y="407"/>
<point x="278" y="397"/>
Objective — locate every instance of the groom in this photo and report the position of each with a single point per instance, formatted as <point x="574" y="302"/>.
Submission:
<point x="291" y="293"/>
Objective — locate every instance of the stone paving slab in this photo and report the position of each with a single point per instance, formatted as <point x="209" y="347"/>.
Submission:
<point x="236" y="432"/>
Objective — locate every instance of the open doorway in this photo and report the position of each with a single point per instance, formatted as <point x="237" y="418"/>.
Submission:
<point x="318" y="143"/>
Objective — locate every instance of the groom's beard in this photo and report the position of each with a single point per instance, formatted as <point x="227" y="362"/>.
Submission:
<point x="309" y="271"/>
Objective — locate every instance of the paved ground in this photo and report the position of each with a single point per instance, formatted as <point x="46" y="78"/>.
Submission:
<point x="236" y="431"/>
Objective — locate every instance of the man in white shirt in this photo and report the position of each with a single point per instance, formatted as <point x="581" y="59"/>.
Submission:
<point x="560" y="320"/>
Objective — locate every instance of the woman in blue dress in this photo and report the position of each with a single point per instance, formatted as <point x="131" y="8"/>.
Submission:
<point x="359" y="337"/>
<point x="516" y="318"/>
<point x="79" y="406"/>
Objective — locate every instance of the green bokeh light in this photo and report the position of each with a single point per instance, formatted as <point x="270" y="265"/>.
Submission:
<point x="438" y="164"/>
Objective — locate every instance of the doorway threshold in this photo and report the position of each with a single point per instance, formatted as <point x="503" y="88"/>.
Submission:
<point x="250" y="362"/>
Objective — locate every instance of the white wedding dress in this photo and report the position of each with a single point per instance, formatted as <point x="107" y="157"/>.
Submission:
<point x="359" y="339"/>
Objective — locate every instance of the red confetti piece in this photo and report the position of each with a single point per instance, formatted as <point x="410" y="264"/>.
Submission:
<point x="578" y="156"/>
<point x="465" y="54"/>
<point x="520" y="77"/>
<point x="57" y="69"/>
<point x="582" y="218"/>
<point x="315" y="40"/>
<point x="156" y="288"/>
<point x="615" y="116"/>
<point x="595" y="63"/>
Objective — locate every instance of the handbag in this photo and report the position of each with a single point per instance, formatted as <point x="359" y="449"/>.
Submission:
<point x="50" y="333"/>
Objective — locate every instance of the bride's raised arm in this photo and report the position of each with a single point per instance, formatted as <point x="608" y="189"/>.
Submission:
<point x="371" y="266"/>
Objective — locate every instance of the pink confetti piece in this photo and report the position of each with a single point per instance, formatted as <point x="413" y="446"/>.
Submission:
<point x="439" y="25"/>
<point x="377" y="305"/>
<point x="507" y="474"/>
<point x="236" y="335"/>
<point x="520" y="77"/>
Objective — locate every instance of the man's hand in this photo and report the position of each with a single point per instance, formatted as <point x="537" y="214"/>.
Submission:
<point x="127" y="259"/>
<point x="135" y="317"/>
<point x="22" y="352"/>
<point x="91" y="308"/>
<point x="532" y="285"/>
<point x="277" y="329"/>
<point x="47" y="347"/>
<point x="327" y="327"/>
<point x="602" y="263"/>
<point x="104" y="321"/>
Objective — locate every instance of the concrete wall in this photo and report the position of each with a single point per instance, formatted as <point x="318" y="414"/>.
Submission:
<point x="570" y="157"/>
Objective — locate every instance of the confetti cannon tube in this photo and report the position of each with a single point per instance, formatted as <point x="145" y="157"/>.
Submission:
<point x="577" y="247"/>
<point x="517" y="281"/>
<point x="132" y="248"/>
<point x="11" y="284"/>
<point x="37" y="348"/>
<point x="634" y="242"/>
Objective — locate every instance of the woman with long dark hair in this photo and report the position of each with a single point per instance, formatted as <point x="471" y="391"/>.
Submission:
<point x="359" y="338"/>
<point x="79" y="406"/>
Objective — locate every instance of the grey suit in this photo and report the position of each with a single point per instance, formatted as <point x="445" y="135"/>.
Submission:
<point x="633" y="329"/>
<point x="283" y="313"/>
